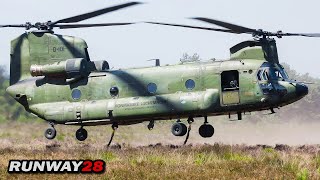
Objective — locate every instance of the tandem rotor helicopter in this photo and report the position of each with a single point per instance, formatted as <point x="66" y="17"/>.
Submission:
<point x="53" y="77"/>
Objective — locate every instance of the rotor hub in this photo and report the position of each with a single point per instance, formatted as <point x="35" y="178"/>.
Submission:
<point x="43" y="26"/>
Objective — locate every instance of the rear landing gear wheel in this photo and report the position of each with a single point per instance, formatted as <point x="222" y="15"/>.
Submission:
<point x="179" y="129"/>
<point x="206" y="130"/>
<point x="50" y="133"/>
<point x="81" y="134"/>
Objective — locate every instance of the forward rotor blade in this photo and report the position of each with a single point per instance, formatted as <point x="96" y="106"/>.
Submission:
<point x="89" y="15"/>
<point x="233" y="27"/>
<point x="302" y="34"/>
<point x="242" y="29"/>
<point x="70" y="26"/>
<point x="194" y="27"/>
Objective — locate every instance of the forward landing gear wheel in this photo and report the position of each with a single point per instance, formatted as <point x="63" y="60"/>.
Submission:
<point x="81" y="134"/>
<point x="50" y="133"/>
<point x="179" y="129"/>
<point x="206" y="130"/>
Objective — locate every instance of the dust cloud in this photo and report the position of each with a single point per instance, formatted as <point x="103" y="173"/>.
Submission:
<point x="268" y="132"/>
<point x="271" y="130"/>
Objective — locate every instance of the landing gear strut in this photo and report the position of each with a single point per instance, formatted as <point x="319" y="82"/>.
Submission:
<point x="151" y="125"/>
<point x="190" y="121"/>
<point x="272" y="111"/>
<point x="179" y="129"/>
<point x="114" y="128"/>
<point x="51" y="132"/>
<point x="81" y="134"/>
<point x="206" y="130"/>
<point x="239" y="114"/>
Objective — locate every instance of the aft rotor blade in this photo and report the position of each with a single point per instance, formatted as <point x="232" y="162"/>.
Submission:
<point x="89" y="15"/>
<point x="69" y="26"/>
<point x="13" y="25"/>
<point x="194" y="27"/>
<point x="233" y="27"/>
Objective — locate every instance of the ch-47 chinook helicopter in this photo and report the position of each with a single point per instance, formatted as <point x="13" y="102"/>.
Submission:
<point x="53" y="77"/>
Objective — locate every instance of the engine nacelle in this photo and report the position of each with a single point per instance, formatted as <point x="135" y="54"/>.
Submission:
<point x="69" y="68"/>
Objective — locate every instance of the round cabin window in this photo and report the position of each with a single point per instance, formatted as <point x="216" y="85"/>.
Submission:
<point x="152" y="88"/>
<point x="114" y="91"/>
<point x="76" y="94"/>
<point x="190" y="84"/>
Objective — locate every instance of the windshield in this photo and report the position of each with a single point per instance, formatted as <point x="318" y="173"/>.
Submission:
<point x="270" y="72"/>
<point x="281" y="73"/>
<point x="266" y="74"/>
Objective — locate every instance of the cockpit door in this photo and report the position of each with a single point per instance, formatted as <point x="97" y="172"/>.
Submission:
<point x="230" y="87"/>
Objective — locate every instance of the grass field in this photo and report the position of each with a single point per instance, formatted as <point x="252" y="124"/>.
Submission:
<point x="137" y="153"/>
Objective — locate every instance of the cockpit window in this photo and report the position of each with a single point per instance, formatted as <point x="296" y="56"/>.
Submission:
<point x="270" y="72"/>
<point x="281" y="73"/>
<point x="266" y="74"/>
<point x="278" y="74"/>
<point x="263" y="74"/>
<point x="259" y="75"/>
<point x="87" y="54"/>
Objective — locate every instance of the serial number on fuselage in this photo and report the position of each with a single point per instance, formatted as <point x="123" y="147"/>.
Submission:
<point x="145" y="103"/>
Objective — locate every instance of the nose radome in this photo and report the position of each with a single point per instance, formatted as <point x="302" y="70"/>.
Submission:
<point x="301" y="89"/>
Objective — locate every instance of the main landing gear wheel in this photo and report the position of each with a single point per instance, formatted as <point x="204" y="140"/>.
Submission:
<point x="50" y="133"/>
<point x="206" y="130"/>
<point x="81" y="134"/>
<point x="179" y="129"/>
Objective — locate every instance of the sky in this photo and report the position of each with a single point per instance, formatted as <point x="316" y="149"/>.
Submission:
<point x="132" y="46"/>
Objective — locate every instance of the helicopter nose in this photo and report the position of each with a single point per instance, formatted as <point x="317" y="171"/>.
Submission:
<point x="15" y="91"/>
<point x="20" y="93"/>
<point x="11" y="91"/>
<point x="301" y="90"/>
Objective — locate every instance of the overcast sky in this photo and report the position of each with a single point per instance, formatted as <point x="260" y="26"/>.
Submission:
<point x="132" y="46"/>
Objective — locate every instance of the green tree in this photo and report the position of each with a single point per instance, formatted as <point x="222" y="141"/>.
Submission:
<point x="189" y="58"/>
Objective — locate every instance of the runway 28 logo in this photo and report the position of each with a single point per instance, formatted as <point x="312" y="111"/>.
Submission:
<point x="56" y="166"/>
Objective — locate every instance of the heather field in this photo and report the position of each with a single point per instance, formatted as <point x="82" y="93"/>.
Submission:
<point x="238" y="150"/>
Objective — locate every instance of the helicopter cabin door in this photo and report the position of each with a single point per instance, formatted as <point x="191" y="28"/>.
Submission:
<point x="230" y="87"/>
